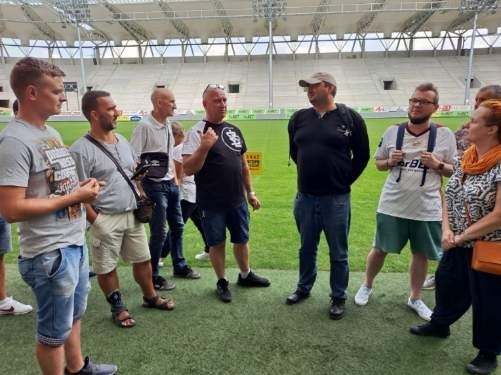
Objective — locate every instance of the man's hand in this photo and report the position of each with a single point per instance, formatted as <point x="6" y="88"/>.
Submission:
<point x="208" y="139"/>
<point x="89" y="189"/>
<point x="253" y="201"/>
<point x="429" y="160"/>
<point x="395" y="157"/>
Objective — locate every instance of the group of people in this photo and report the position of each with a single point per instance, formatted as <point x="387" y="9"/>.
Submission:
<point x="55" y="191"/>
<point x="329" y="145"/>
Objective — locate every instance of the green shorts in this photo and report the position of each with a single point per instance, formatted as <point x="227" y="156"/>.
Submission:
<point x="392" y="234"/>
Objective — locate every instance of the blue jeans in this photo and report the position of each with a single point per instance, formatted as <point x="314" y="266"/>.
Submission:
<point x="165" y="194"/>
<point x="331" y="214"/>
<point x="60" y="281"/>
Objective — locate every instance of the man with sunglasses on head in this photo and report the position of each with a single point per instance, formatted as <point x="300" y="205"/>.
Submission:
<point x="329" y="144"/>
<point x="214" y="152"/>
<point x="410" y="206"/>
<point x="154" y="134"/>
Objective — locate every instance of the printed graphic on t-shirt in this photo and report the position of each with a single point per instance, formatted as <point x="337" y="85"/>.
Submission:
<point x="61" y="175"/>
<point x="231" y="139"/>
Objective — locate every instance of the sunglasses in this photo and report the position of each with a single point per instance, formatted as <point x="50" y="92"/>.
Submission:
<point x="213" y="86"/>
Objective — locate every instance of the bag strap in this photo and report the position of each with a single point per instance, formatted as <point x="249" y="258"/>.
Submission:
<point x="112" y="158"/>
<point x="399" y="143"/>
<point x="432" y="138"/>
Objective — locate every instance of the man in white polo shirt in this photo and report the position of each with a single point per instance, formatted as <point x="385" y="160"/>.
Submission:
<point x="154" y="134"/>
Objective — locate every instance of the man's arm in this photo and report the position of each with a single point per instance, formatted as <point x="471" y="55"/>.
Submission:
<point x="251" y="194"/>
<point x="138" y="140"/>
<point x="14" y="206"/>
<point x="178" y="172"/>
<point x="292" y="145"/>
<point x="194" y="162"/>
<point x="360" y="146"/>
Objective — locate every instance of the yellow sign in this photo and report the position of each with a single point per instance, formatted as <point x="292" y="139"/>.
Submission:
<point x="255" y="162"/>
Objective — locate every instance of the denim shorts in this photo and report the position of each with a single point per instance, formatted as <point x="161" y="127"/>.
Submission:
<point x="215" y="222"/>
<point x="5" y="240"/>
<point x="60" y="281"/>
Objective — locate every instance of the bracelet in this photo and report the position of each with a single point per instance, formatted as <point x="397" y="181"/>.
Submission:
<point x="251" y="193"/>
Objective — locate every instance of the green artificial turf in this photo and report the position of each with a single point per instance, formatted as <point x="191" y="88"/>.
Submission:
<point x="274" y="239"/>
<point x="255" y="334"/>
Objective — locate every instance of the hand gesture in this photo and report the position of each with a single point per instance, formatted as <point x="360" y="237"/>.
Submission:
<point x="208" y="138"/>
<point x="89" y="189"/>
<point x="429" y="160"/>
<point x="395" y="157"/>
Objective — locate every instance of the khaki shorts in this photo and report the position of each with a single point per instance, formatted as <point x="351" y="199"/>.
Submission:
<point x="117" y="235"/>
<point x="393" y="233"/>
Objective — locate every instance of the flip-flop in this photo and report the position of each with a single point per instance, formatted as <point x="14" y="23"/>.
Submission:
<point x="152" y="303"/>
<point x="121" y="322"/>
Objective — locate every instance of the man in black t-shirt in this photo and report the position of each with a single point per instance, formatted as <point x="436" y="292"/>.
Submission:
<point x="214" y="151"/>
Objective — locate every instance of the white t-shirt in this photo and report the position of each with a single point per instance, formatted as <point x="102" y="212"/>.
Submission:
<point x="407" y="198"/>
<point x="188" y="189"/>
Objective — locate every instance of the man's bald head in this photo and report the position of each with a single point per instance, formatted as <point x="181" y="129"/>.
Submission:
<point x="164" y="102"/>
<point x="160" y="92"/>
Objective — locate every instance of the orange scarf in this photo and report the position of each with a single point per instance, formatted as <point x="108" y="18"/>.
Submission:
<point x="471" y="164"/>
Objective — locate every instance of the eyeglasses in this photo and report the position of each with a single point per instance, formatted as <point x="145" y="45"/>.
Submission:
<point x="213" y="86"/>
<point x="414" y="101"/>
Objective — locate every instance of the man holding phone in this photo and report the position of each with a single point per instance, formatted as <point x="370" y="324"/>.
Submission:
<point x="114" y="230"/>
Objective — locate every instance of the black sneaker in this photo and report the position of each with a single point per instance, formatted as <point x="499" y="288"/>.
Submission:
<point x="187" y="273"/>
<point x="94" y="369"/>
<point x="253" y="280"/>
<point x="222" y="290"/>
<point x="483" y="363"/>
<point x="160" y="283"/>
<point x="337" y="310"/>
<point x="431" y="329"/>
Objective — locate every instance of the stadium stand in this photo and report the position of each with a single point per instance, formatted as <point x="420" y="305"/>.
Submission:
<point x="360" y="80"/>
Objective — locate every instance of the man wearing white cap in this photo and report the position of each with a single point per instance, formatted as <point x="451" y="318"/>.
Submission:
<point x="329" y="144"/>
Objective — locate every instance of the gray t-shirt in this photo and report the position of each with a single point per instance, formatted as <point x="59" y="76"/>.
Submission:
<point x="36" y="159"/>
<point x="115" y="196"/>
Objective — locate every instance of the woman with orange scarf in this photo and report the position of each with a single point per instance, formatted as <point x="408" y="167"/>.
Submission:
<point x="472" y="211"/>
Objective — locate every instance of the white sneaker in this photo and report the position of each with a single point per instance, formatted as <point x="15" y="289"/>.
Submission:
<point x="429" y="283"/>
<point x="363" y="294"/>
<point x="203" y="256"/>
<point x="9" y="306"/>
<point x="420" y="308"/>
<point x="161" y="262"/>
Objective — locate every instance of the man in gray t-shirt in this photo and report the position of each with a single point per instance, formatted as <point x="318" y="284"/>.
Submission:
<point x="39" y="187"/>
<point x="113" y="229"/>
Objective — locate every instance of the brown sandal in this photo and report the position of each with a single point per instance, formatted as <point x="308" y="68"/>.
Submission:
<point x="121" y="322"/>
<point x="152" y="303"/>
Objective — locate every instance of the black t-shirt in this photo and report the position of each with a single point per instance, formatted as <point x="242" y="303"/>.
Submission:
<point x="220" y="182"/>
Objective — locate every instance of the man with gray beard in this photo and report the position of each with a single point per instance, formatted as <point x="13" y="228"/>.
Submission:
<point x="416" y="153"/>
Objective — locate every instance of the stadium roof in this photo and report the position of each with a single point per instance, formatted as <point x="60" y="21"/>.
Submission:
<point x="142" y="20"/>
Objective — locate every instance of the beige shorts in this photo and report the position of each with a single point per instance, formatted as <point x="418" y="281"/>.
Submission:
<point x="117" y="235"/>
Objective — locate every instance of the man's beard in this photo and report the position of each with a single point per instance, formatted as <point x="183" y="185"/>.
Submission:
<point x="108" y="126"/>
<point x="419" y="120"/>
